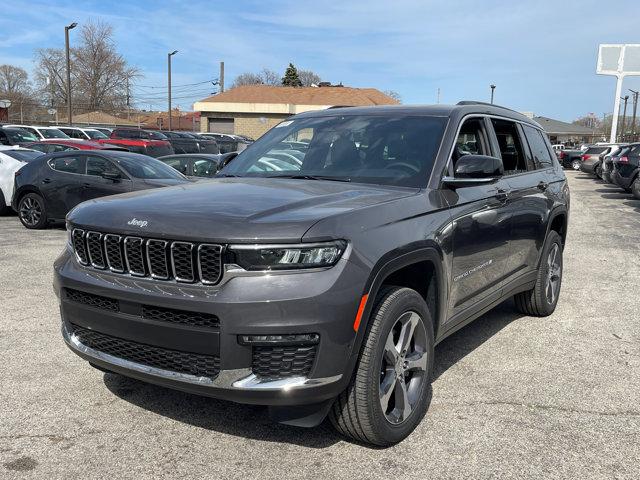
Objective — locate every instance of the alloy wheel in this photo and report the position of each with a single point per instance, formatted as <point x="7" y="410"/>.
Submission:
<point x="575" y="164"/>
<point x="30" y="211"/>
<point x="404" y="366"/>
<point x="554" y="273"/>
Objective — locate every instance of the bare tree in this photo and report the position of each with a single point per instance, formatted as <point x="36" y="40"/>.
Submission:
<point x="265" y="77"/>
<point x="14" y="81"/>
<point x="99" y="74"/>
<point x="269" y="77"/>
<point x="393" y="94"/>
<point x="308" y="78"/>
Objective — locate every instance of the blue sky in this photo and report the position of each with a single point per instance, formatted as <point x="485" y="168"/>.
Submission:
<point x="540" y="54"/>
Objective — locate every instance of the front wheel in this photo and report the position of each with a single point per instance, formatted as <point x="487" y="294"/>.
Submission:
<point x="542" y="299"/>
<point x="32" y="211"/>
<point x="390" y="389"/>
<point x="576" y="164"/>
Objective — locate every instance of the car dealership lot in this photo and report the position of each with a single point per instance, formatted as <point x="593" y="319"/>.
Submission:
<point x="513" y="396"/>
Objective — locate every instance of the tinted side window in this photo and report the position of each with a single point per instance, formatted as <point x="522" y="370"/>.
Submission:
<point x="180" y="164"/>
<point x="97" y="166"/>
<point x="510" y="146"/>
<point x="541" y="156"/>
<point x="3" y="138"/>
<point x="67" y="164"/>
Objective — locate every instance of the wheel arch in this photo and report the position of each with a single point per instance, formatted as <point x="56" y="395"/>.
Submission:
<point x="558" y="221"/>
<point x="21" y="192"/>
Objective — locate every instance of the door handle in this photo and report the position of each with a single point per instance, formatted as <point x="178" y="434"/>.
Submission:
<point x="502" y="194"/>
<point x="543" y="186"/>
<point x="85" y="185"/>
<point x="46" y="180"/>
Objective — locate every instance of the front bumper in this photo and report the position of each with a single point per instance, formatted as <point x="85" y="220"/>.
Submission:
<point x="323" y="302"/>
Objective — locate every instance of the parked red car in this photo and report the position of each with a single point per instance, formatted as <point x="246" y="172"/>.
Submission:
<point x="63" y="144"/>
<point x="139" y="141"/>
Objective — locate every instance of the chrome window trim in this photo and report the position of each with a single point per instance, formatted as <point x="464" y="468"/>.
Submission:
<point x="164" y="248"/>
<point x="173" y="263"/>
<point x="199" y="263"/>
<point x="91" y="262"/>
<point x="119" y="237"/>
<point x="126" y="256"/>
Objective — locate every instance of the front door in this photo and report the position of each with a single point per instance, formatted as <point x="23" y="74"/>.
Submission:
<point x="481" y="225"/>
<point x="61" y="183"/>
<point x="94" y="183"/>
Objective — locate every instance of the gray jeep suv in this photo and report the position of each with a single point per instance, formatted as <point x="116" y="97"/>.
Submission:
<point x="316" y="274"/>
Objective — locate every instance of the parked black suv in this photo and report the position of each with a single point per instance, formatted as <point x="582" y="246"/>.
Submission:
<point x="321" y="288"/>
<point x="626" y="169"/>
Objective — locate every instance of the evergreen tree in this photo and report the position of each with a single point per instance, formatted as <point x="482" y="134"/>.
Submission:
<point x="291" y="78"/>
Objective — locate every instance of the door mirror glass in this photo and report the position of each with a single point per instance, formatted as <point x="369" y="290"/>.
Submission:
<point x="478" y="166"/>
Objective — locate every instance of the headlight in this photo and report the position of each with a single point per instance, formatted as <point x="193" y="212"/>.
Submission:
<point x="69" y="239"/>
<point x="288" y="257"/>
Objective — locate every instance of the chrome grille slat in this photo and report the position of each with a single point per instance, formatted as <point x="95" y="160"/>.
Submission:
<point x="157" y="259"/>
<point x="209" y="263"/>
<point x="134" y="256"/>
<point x="184" y="262"/>
<point x="94" y="249"/>
<point x="113" y="253"/>
<point x="79" y="246"/>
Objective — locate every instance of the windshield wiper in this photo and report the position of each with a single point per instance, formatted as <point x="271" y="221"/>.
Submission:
<point x="227" y="175"/>
<point x="311" y="177"/>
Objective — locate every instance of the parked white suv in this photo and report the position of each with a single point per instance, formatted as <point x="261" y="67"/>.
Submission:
<point x="82" y="133"/>
<point x="12" y="159"/>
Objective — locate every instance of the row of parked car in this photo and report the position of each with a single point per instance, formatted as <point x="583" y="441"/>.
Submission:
<point x="615" y="163"/>
<point x="149" y="142"/>
<point x="46" y="171"/>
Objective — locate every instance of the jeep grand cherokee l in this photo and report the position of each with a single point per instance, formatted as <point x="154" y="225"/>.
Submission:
<point x="321" y="287"/>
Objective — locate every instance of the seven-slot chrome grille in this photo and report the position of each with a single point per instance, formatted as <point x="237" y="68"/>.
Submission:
<point x="149" y="257"/>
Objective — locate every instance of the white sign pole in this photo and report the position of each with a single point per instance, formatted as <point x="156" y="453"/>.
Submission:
<point x="616" y="110"/>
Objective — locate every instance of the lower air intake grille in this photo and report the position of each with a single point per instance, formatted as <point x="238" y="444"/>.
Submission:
<point x="196" y="364"/>
<point x="91" y="300"/>
<point x="183" y="317"/>
<point x="283" y="361"/>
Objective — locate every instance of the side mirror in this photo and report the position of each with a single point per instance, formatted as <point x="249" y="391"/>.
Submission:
<point x="475" y="170"/>
<point x="115" y="176"/>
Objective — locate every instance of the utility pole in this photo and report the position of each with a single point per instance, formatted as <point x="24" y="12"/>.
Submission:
<point x="221" y="79"/>
<point x="128" y="101"/>
<point x="438" y="100"/>
<point x="66" y="45"/>
<point x="493" y="87"/>
<point x="169" y="55"/>
<point x="624" y="116"/>
<point x="635" y="109"/>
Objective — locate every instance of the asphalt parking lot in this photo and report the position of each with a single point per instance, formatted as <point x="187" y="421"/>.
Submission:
<point x="513" y="396"/>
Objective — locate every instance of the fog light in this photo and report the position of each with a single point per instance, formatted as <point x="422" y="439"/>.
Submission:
<point x="300" y="339"/>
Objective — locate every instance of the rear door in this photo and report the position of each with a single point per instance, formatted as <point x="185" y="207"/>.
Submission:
<point x="481" y="225"/>
<point x="528" y="178"/>
<point x="95" y="185"/>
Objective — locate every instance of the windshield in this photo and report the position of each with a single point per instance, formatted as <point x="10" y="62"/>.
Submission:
<point x="52" y="133"/>
<point x="388" y="150"/>
<point x="142" y="166"/>
<point x="19" y="135"/>
<point x="157" y="135"/>
<point x="93" y="134"/>
<point x="23" y="155"/>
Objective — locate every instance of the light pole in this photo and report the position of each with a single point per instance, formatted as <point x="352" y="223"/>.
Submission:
<point x="169" y="55"/>
<point x="493" y="87"/>
<point x="635" y="109"/>
<point x="66" y="45"/>
<point x="624" y="115"/>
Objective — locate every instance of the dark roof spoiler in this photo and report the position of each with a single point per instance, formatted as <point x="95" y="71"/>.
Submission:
<point x="474" y="102"/>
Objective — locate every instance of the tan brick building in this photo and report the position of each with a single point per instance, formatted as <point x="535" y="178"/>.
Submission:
<point x="253" y="109"/>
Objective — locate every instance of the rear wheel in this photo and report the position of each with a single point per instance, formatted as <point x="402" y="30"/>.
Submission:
<point x="542" y="299"/>
<point x="575" y="164"/>
<point x="390" y="389"/>
<point x="598" y="171"/>
<point x="32" y="211"/>
<point x="635" y="187"/>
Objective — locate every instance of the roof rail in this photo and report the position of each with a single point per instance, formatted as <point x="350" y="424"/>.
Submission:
<point x="474" y="102"/>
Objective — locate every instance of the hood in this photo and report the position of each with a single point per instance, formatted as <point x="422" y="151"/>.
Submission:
<point x="231" y="209"/>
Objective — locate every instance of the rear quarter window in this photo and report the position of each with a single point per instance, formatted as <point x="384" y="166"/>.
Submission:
<point x="541" y="155"/>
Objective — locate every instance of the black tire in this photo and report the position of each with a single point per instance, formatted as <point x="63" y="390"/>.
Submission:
<point x="635" y="187"/>
<point x="32" y="211"/>
<point x="536" y="302"/>
<point x="4" y="210"/>
<point x="598" y="171"/>
<point x="575" y="164"/>
<point x="357" y="412"/>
